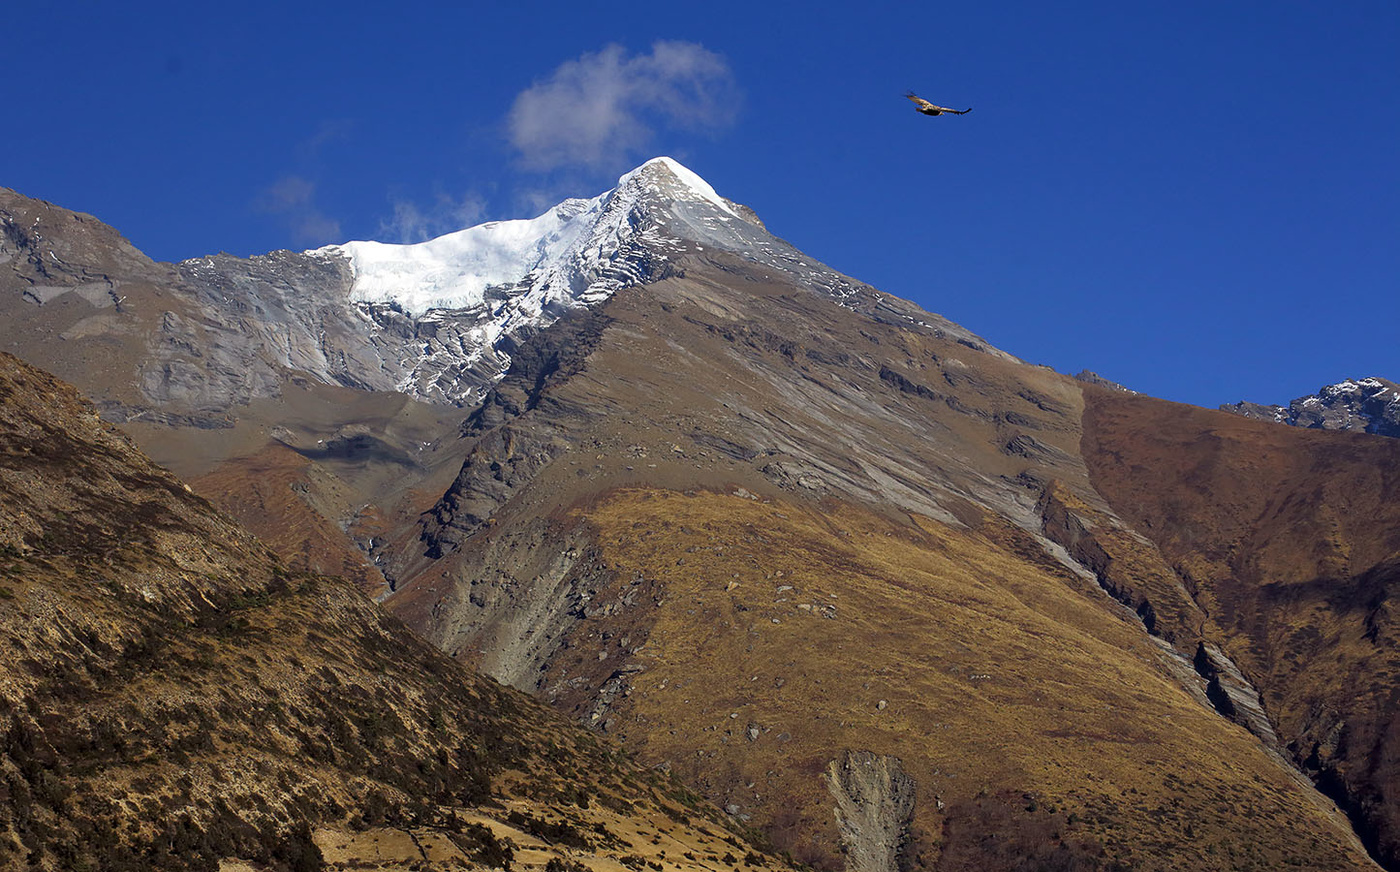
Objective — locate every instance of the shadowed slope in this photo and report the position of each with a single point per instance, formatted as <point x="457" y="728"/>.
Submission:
<point x="1289" y="540"/>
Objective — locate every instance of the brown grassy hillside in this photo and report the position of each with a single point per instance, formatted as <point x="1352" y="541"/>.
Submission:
<point x="174" y="698"/>
<point x="776" y="634"/>
<point x="888" y="594"/>
<point x="1290" y="541"/>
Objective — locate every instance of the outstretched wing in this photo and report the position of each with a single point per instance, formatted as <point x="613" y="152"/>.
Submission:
<point x="924" y="105"/>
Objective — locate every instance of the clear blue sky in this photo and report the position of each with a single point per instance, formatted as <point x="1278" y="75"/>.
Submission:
<point x="1198" y="199"/>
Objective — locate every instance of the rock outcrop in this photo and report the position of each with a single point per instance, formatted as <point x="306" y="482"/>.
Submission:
<point x="1368" y="405"/>
<point x="874" y="808"/>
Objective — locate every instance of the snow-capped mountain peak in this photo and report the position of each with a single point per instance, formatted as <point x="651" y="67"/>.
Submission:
<point x="450" y="305"/>
<point x="558" y="258"/>
<point x="666" y="176"/>
<point x="439" y="320"/>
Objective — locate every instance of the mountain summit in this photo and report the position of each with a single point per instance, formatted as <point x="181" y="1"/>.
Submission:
<point x="578" y="252"/>
<point x="1368" y="405"/>
<point x="439" y="320"/>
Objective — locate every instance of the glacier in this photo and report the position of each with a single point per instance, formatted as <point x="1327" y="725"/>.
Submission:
<point x="553" y="259"/>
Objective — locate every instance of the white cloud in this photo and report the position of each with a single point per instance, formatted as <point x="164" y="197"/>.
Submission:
<point x="293" y="199"/>
<point x="314" y="229"/>
<point x="285" y="194"/>
<point x="414" y="223"/>
<point x="600" y="110"/>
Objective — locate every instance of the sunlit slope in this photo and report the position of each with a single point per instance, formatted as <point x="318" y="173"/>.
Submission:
<point x="776" y="635"/>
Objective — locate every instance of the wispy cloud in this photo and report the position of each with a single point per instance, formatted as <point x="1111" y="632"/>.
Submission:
<point x="537" y="200"/>
<point x="293" y="199"/>
<point x="601" y="109"/>
<point x="412" y="222"/>
<point x="285" y="195"/>
<point x="328" y="131"/>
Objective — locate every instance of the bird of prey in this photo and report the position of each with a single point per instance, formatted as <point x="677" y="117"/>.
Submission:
<point x="928" y="108"/>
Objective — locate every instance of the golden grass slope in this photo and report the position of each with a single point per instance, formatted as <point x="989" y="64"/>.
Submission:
<point x="1011" y="685"/>
<point x="775" y="634"/>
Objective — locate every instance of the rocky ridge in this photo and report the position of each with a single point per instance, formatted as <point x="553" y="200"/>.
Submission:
<point x="700" y="421"/>
<point x="438" y="320"/>
<point x="1368" y="405"/>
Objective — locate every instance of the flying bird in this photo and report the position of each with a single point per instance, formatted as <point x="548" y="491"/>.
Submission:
<point x="928" y="108"/>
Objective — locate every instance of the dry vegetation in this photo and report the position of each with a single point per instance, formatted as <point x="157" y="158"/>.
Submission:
<point x="778" y="634"/>
<point x="746" y="643"/>
<point x="274" y="494"/>
<point x="743" y="528"/>
<point x="1290" y="541"/>
<point x="175" y="698"/>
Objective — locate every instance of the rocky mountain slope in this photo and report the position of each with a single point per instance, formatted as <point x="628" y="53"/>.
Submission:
<point x="774" y="549"/>
<point x="176" y="699"/>
<point x="877" y="589"/>
<point x="1368" y="405"/>
<point x="437" y="320"/>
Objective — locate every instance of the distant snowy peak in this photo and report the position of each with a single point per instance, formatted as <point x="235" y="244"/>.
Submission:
<point x="1368" y="405"/>
<point x="1366" y="389"/>
<point x="573" y="254"/>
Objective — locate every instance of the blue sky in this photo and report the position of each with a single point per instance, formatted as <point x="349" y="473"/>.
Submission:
<point x="1199" y="200"/>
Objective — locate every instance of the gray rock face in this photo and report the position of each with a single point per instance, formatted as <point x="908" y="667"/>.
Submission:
<point x="1232" y="694"/>
<point x="874" y="807"/>
<point x="507" y="457"/>
<point x="1368" y="405"/>
<point x="1088" y="376"/>
<point x="301" y="311"/>
<point x="52" y="251"/>
<point x="295" y="311"/>
<point x="527" y="591"/>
